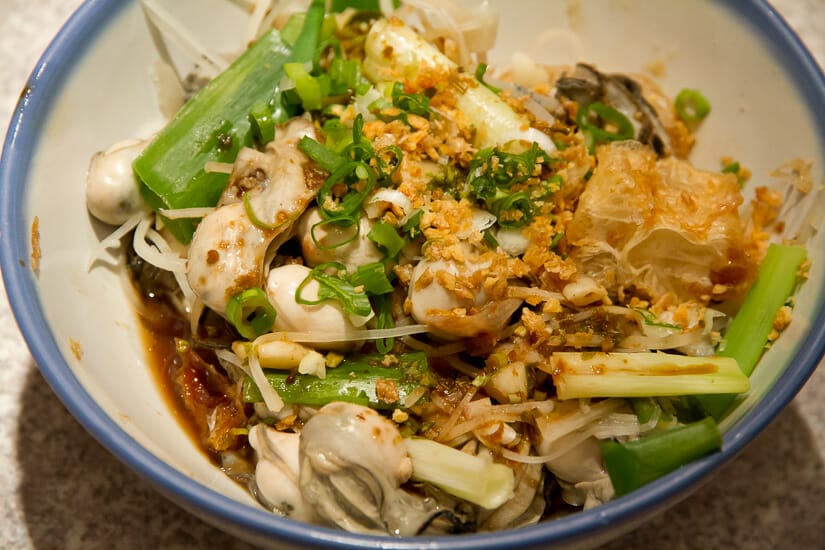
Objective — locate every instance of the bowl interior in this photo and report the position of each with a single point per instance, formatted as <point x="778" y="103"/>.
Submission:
<point x="95" y="88"/>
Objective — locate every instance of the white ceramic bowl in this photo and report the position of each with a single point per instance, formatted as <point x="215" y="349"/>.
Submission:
<point x="93" y="87"/>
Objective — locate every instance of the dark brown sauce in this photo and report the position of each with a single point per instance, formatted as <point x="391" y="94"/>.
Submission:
<point x="200" y="395"/>
<point x="159" y="348"/>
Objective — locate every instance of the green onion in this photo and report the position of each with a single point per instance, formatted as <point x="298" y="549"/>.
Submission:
<point x="373" y="277"/>
<point x="481" y="69"/>
<point x="557" y="237"/>
<point x="416" y="104"/>
<point x="383" y="320"/>
<point x="593" y="119"/>
<point x="335" y="288"/>
<point x="262" y="124"/>
<point x="336" y="135"/>
<point x="470" y="477"/>
<point x="386" y="168"/>
<point x="691" y="106"/>
<point x="651" y="320"/>
<point x="251" y="313"/>
<point x="412" y="227"/>
<point x="303" y="49"/>
<point x="326" y="158"/>
<point x="636" y="463"/>
<point x="596" y="374"/>
<point x="337" y="6"/>
<point x="340" y="222"/>
<point x="490" y="239"/>
<point x="355" y="380"/>
<point x="387" y="238"/>
<point x="731" y="168"/>
<point x="748" y="333"/>
<point x="514" y="210"/>
<point x="307" y="87"/>
<point x="212" y="127"/>
<point x="359" y="179"/>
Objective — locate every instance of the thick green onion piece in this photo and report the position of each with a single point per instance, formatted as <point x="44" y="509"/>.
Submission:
<point x="211" y="127"/>
<point x="642" y="374"/>
<point x="357" y="379"/>
<point x="691" y="106"/>
<point x="634" y="464"/>
<point x="338" y="6"/>
<point x="373" y="277"/>
<point x="307" y="86"/>
<point x="481" y="69"/>
<point x="595" y="131"/>
<point x="387" y="238"/>
<point x="748" y="333"/>
<point x="326" y="158"/>
<point x="337" y="136"/>
<point x="262" y="124"/>
<point x="332" y="287"/>
<point x="471" y="477"/>
<point x="251" y="313"/>
<point x="303" y="49"/>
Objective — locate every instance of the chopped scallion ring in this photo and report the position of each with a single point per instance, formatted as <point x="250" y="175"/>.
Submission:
<point x="691" y="106"/>
<point x="594" y="120"/>
<point x="251" y="313"/>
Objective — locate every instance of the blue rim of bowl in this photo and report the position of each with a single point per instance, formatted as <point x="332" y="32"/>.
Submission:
<point x="42" y="87"/>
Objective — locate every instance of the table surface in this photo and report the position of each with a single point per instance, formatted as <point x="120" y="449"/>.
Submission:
<point x="62" y="489"/>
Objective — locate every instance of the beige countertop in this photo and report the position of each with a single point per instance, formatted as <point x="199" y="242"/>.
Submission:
<point x="61" y="489"/>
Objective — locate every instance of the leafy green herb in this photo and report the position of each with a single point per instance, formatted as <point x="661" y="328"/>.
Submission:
<point x="494" y="171"/>
<point x="416" y="104"/>
<point x="383" y="320"/>
<point x="373" y="278"/>
<point x="412" y="227"/>
<point x="336" y="288"/>
<point x="481" y="69"/>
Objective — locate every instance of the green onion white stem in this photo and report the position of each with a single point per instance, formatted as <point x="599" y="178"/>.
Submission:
<point x="577" y="375"/>
<point x="474" y="478"/>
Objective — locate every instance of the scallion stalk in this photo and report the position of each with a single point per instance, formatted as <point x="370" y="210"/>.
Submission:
<point x="748" y="333"/>
<point x="358" y="379"/>
<point x="634" y="464"/>
<point x="596" y="374"/>
<point x="211" y="127"/>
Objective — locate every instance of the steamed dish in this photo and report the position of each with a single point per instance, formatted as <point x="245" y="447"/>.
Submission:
<point x="397" y="292"/>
